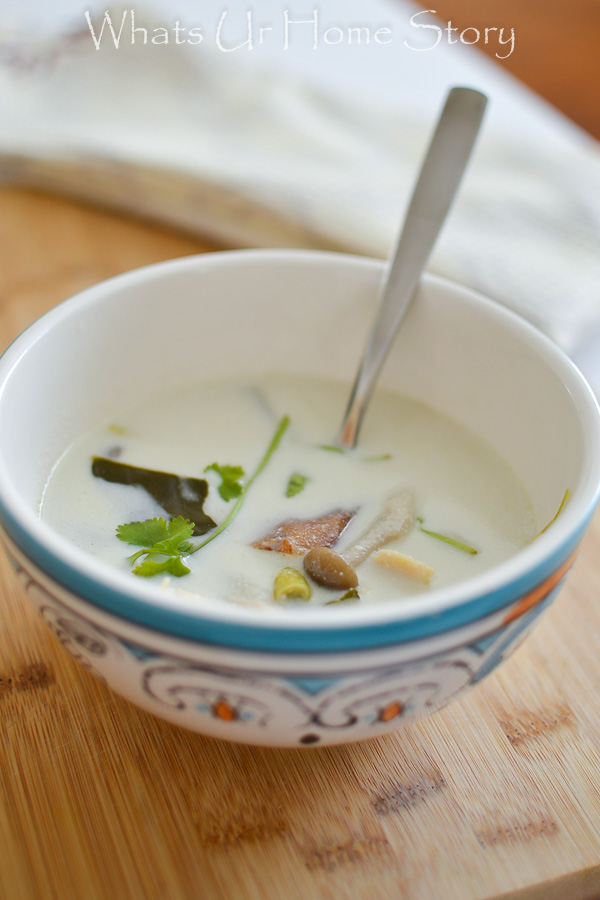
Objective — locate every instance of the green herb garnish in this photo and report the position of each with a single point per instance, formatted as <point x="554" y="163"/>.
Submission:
<point x="296" y="484"/>
<point x="167" y="540"/>
<point x="331" y="448"/>
<point x="177" y="495"/>
<point x="351" y="594"/>
<point x="170" y="541"/>
<point x="275" y="441"/>
<point x="563" y="503"/>
<point x="230" y="486"/>
<point x="459" y="545"/>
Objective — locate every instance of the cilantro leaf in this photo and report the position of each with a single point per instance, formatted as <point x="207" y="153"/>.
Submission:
<point x="179" y="530"/>
<point x="171" y="566"/>
<point x="230" y="486"/>
<point x="157" y="537"/>
<point x="186" y="547"/>
<point x="143" y="534"/>
<point x="155" y="531"/>
<point x="169" y="541"/>
<point x="296" y="484"/>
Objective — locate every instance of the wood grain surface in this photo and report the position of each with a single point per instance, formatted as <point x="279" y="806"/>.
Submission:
<point x="495" y="797"/>
<point x="99" y="800"/>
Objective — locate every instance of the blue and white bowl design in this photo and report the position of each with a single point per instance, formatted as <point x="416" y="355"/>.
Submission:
<point x="287" y="700"/>
<point x="316" y="676"/>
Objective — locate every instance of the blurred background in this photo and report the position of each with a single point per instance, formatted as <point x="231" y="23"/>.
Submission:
<point x="303" y="124"/>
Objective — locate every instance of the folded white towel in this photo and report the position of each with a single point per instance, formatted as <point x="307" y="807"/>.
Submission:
<point x="253" y="156"/>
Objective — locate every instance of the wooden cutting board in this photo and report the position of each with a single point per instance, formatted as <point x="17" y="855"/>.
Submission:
<point x="496" y="796"/>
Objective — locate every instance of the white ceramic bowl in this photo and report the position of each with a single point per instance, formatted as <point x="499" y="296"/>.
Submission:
<point x="294" y="677"/>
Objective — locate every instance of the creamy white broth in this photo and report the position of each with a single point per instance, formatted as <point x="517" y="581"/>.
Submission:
<point x="462" y="488"/>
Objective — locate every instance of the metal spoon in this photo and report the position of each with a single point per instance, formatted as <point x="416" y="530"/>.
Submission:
<point x="438" y="182"/>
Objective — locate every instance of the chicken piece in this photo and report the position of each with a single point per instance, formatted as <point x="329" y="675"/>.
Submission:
<point x="405" y="565"/>
<point x="395" y="521"/>
<point x="297" y="536"/>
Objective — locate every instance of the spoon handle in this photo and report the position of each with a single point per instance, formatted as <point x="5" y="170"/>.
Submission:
<point x="438" y="181"/>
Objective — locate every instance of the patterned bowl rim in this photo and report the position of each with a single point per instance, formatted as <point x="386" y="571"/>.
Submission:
<point x="318" y="629"/>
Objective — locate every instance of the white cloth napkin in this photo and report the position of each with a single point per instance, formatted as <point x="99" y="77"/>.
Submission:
<point x="252" y="153"/>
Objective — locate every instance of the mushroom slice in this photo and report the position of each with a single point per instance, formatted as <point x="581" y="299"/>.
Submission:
<point x="297" y="536"/>
<point x="327" y="568"/>
<point x="395" y="521"/>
